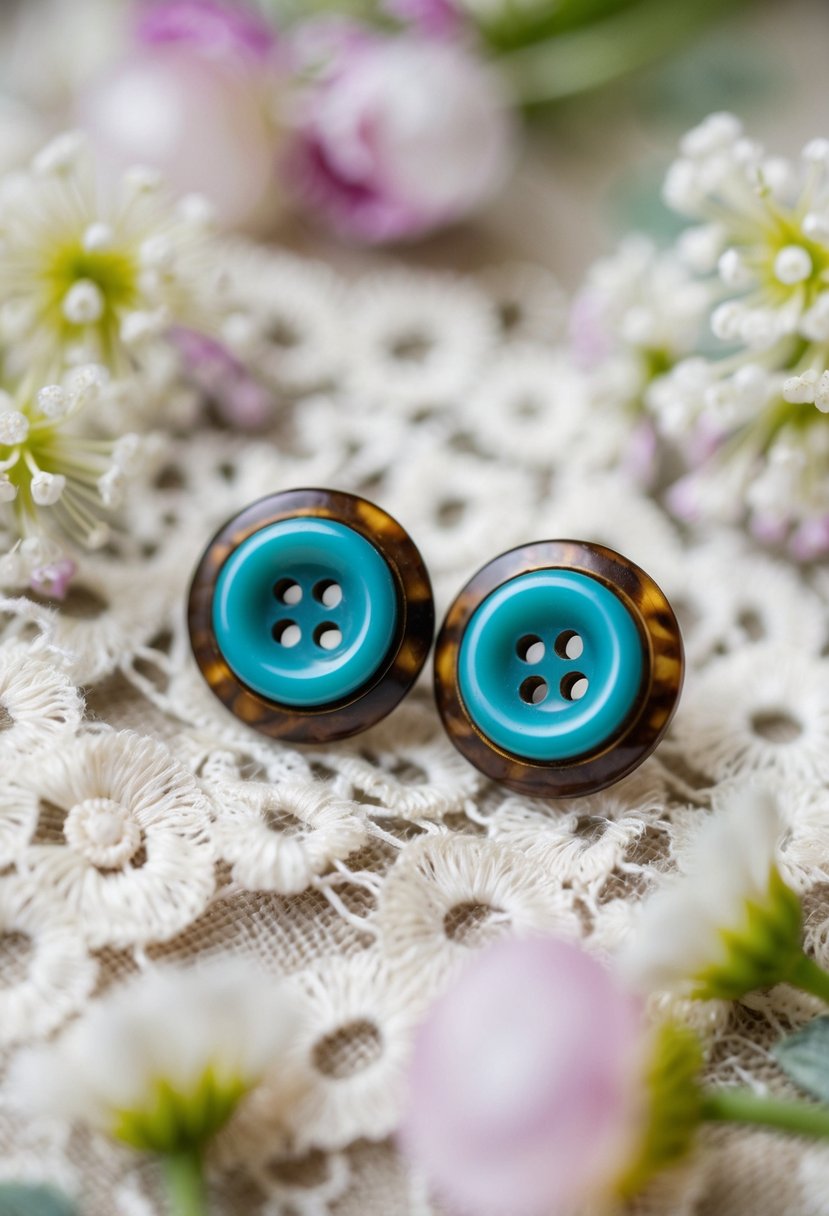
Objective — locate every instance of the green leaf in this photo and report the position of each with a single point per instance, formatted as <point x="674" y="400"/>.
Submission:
<point x="804" y="1058"/>
<point x="726" y="71"/>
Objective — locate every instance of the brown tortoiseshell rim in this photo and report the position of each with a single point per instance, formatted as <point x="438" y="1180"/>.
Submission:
<point x="663" y="671"/>
<point x="406" y="655"/>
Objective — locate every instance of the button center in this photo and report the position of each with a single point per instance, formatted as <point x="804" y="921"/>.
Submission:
<point x="567" y="647"/>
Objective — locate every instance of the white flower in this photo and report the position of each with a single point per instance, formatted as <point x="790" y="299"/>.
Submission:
<point x="113" y="830"/>
<point x="640" y="311"/>
<point x="646" y="300"/>
<point x="728" y="924"/>
<point x="162" y="1062"/>
<point x="49" y="463"/>
<point x="279" y="838"/>
<point x="78" y="262"/>
<point x="766" y="217"/>
<point x="58" y="975"/>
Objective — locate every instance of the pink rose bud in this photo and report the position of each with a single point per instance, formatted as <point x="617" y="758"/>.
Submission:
<point x="526" y="1090"/>
<point x="590" y="337"/>
<point x="399" y="136"/>
<point x="192" y="100"/>
<point x="215" y="28"/>
<point x="810" y="540"/>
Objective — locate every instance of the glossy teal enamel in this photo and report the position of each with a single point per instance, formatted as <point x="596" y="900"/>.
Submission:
<point x="248" y="614"/>
<point x="550" y="605"/>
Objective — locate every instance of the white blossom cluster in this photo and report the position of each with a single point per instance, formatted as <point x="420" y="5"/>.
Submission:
<point x="96" y="282"/>
<point x="747" y="403"/>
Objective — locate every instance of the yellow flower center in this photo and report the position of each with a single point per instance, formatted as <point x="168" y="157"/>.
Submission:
<point x="113" y="272"/>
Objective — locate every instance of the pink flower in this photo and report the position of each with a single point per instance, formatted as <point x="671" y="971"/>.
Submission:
<point x="591" y="338"/>
<point x="212" y="27"/>
<point x="399" y="136"/>
<point x="202" y="121"/>
<point x="769" y="529"/>
<point x="240" y="399"/>
<point x="641" y="457"/>
<point x="53" y="581"/>
<point x="683" y="499"/>
<point x="810" y="541"/>
<point x="704" y="441"/>
<point x="526" y="1091"/>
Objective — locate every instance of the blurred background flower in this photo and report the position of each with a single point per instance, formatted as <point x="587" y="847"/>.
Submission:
<point x="162" y="1063"/>
<point x="387" y="120"/>
<point x="561" y="1099"/>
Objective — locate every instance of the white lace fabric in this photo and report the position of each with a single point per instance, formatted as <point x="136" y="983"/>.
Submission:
<point x="140" y="822"/>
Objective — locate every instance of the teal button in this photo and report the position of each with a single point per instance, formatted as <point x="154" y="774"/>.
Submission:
<point x="550" y="665"/>
<point x="304" y="611"/>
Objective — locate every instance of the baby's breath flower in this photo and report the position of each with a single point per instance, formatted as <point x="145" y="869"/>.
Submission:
<point x="641" y="311"/>
<point x="763" y="233"/>
<point x="51" y="476"/>
<point x="89" y="275"/>
<point x="729" y="924"/>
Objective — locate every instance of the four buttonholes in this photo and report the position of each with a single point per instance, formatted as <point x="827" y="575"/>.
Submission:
<point x="286" y="632"/>
<point x="569" y="647"/>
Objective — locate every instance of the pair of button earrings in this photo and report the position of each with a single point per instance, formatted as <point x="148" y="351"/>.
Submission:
<point x="557" y="668"/>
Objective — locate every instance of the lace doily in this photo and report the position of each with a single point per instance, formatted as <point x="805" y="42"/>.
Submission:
<point x="140" y="822"/>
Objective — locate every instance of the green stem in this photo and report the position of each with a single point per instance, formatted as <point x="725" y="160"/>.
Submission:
<point x="184" y="1173"/>
<point x="744" y="1106"/>
<point x="588" y="58"/>
<point x="809" y="977"/>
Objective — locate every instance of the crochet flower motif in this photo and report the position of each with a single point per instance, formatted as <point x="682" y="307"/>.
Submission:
<point x="108" y="614"/>
<point x="406" y="767"/>
<point x="115" y="832"/>
<point x="55" y="980"/>
<point x="449" y="895"/>
<point x="39" y="706"/>
<point x="762" y="710"/>
<point x="357" y="1020"/>
<point x="278" y="838"/>
<point x="583" y="840"/>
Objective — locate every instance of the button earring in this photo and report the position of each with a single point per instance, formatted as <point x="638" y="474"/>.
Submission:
<point x="558" y="668"/>
<point x="311" y="615"/>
